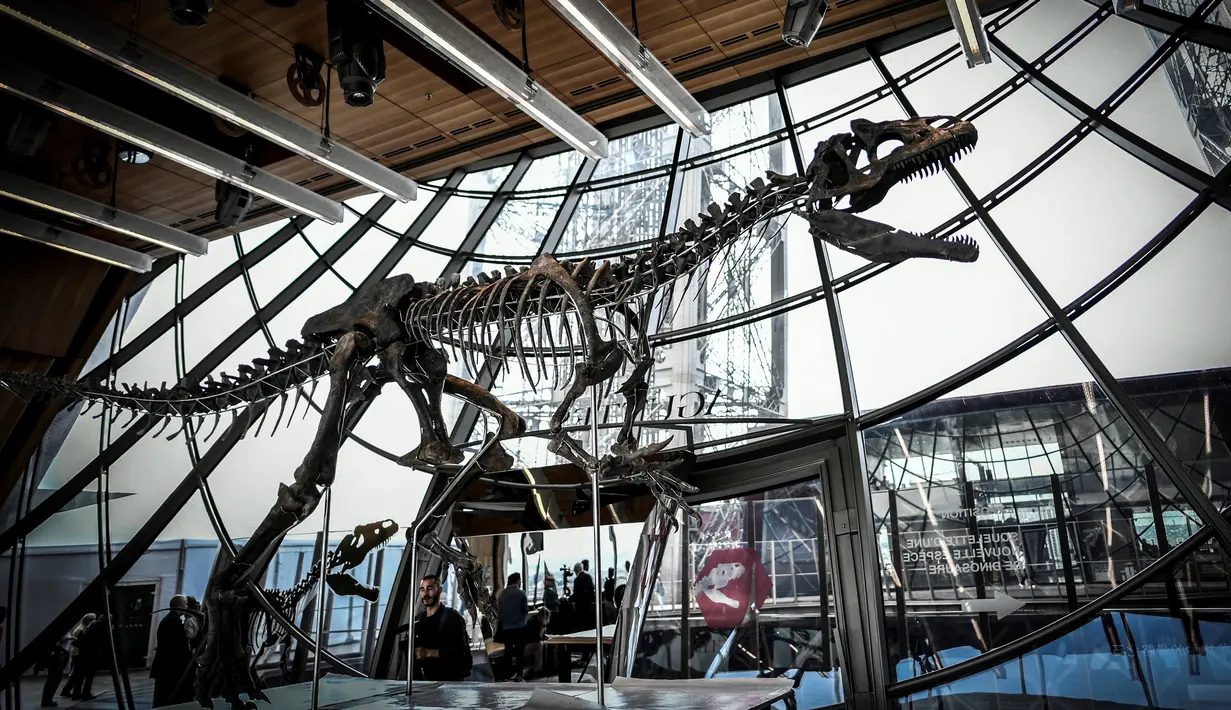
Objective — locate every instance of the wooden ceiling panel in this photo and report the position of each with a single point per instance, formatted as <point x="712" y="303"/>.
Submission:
<point x="696" y="7"/>
<point x="738" y="27"/>
<point x="650" y="15"/>
<point x="549" y="39"/>
<point x="682" y="45"/>
<point x="501" y="147"/>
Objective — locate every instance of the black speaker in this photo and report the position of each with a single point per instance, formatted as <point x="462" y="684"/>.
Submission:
<point x="233" y="203"/>
<point x="802" y="21"/>
<point x="356" y="50"/>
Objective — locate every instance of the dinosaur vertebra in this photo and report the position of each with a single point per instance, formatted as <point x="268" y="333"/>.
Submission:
<point x="594" y="316"/>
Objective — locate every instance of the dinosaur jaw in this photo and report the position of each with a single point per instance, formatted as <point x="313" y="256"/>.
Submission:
<point x="882" y="243"/>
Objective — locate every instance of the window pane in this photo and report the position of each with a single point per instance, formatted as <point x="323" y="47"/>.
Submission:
<point x="551" y="171"/>
<point x="640" y="151"/>
<point x="200" y="269"/>
<point x="924" y="320"/>
<point x="1179" y="107"/>
<point x="823" y="93"/>
<point x="737" y="124"/>
<point x="975" y="485"/>
<point x="618" y="215"/>
<point x="1102" y="205"/>
<point x="359" y="260"/>
<point x="1042" y="26"/>
<point x="213" y="321"/>
<point x="1101" y="62"/>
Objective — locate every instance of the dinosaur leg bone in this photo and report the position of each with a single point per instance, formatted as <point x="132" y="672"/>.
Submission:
<point x="422" y="380"/>
<point x="511" y="424"/>
<point x="223" y="666"/>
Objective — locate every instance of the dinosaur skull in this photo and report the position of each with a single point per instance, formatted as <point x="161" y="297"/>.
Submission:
<point x="863" y="165"/>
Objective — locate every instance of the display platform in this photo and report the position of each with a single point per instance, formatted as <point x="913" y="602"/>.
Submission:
<point x="623" y="694"/>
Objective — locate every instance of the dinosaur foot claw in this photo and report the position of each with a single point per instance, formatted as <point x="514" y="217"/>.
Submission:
<point x="496" y="459"/>
<point x="430" y="454"/>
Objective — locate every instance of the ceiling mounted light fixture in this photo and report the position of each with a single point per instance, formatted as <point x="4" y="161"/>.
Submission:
<point x="133" y="155"/>
<point x="190" y="13"/>
<point x="160" y="140"/>
<point x="49" y="198"/>
<point x="74" y="243"/>
<point x="443" y="32"/>
<point x="60" y="21"/>
<point x="968" y="22"/>
<point x="607" y="33"/>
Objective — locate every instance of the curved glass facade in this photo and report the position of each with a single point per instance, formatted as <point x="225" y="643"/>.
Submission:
<point x="1017" y="427"/>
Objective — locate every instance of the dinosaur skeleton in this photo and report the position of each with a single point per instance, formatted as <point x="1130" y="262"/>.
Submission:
<point x="349" y="554"/>
<point x="476" y="597"/>
<point x="595" y="317"/>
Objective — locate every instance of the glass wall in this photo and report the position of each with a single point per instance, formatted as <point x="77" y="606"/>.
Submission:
<point x="1040" y="429"/>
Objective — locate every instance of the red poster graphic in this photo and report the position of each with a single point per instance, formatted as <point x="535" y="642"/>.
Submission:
<point x="728" y="582"/>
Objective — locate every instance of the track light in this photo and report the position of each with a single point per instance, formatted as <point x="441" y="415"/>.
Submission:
<point x="74" y="243"/>
<point x="160" y="140"/>
<point x="49" y="198"/>
<point x="443" y="32"/>
<point x="802" y="21"/>
<point x="968" y="22"/>
<point x="356" y="49"/>
<point x="27" y="131"/>
<point x="133" y="155"/>
<point x="60" y="20"/>
<point x="605" y="31"/>
<point x="191" y="13"/>
<point x="231" y="204"/>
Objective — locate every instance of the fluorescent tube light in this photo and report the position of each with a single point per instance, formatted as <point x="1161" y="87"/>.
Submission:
<point x="74" y="243"/>
<point x="93" y="37"/>
<point x="160" y="140"/>
<point x="969" y="24"/>
<point x="443" y="32"/>
<point x="77" y="207"/>
<point x="605" y="31"/>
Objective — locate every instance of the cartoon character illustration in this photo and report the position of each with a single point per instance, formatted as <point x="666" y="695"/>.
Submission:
<point x="712" y="584"/>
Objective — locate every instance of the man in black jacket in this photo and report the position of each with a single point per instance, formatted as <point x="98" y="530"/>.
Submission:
<point x="442" y="646"/>
<point x="172" y="657"/>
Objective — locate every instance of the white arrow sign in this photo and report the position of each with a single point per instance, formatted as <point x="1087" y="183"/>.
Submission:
<point x="1001" y="604"/>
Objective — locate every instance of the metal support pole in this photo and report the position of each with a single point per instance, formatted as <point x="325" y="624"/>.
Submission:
<point x="1062" y="532"/>
<point x="447" y="497"/>
<point x="319" y="641"/>
<point x="596" y="508"/>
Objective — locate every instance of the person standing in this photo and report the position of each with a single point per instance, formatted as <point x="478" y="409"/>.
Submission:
<point x="514" y="606"/>
<point x="442" y="646"/>
<point x="192" y="621"/>
<point x="551" y="596"/>
<point x="90" y="650"/>
<point x="55" y="669"/>
<point x="583" y="598"/>
<point x="172" y="656"/>
<point x="76" y="643"/>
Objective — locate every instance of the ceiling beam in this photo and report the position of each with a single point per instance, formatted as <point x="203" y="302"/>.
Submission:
<point x="109" y="218"/>
<point x="112" y="254"/>
<point x="125" y="125"/>
<point x="93" y="37"/>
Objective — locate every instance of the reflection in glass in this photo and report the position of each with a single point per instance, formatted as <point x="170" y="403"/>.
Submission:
<point x="1040" y="498"/>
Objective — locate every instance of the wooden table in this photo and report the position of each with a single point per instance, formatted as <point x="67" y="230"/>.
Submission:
<point x="580" y="640"/>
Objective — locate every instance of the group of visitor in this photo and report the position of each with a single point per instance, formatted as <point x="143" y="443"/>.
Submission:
<point x="85" y="650"/>
<point x="442" y="644"/>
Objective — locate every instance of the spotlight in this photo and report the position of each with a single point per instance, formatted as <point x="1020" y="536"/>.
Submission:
<point x="356" y="49"/>
<point x="283" y="3"/>
<point x="191" y="13"/>
<point x="802" y="21"/>
<point x="133" y="155"/>
<point x="233" y="203"/>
